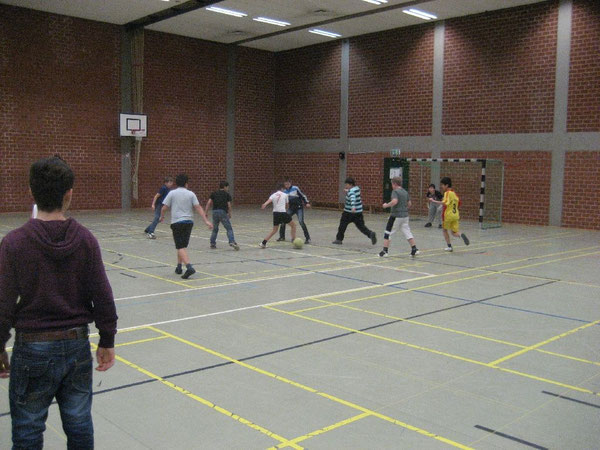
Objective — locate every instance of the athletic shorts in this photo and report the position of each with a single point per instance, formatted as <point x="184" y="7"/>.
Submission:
<point x="281" y="217"/>
<point x="397" y="222"/>
<point x="451" y="224"/>
<point x="181" y="233"/>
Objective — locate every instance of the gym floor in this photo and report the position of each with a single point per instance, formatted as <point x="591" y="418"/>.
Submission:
<point x="493" y="346"/>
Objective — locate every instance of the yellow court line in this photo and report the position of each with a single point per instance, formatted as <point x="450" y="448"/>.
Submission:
<point x="573" y="358"/>
<point x="141" y="341"/>
<point x="437" y="352"/>
<point x="312" y="390"/>
<point x="541" y="344"/>
<point x="161" y="262"/>
<point x="442" y="283"/>
<point x="146" y="274"/>
<point x="205" y="402"/>
<point x="460" y="332"/>
<point x="322" y="430"/>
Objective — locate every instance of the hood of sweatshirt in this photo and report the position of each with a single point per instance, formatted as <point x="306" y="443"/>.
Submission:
<point x="58" y="239"/>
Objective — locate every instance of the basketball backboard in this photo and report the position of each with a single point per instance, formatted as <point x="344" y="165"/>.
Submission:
<point x="133" y="125"/>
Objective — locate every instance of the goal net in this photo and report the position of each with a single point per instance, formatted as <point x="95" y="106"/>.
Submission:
<point x="477" y="182"/>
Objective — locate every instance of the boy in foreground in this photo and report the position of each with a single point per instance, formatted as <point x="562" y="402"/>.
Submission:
<point x="52" y="284"/>
<point x="399" y="204"/>
<point x="280" y="215"/>
<point x="450" y="213"/>
<point x="182" y="203"/>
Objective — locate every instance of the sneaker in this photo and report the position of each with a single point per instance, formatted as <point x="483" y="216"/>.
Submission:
<point x="428" y="225"/>
<point x="213" y="246"/>
<point x="414" y="252"/>
<point x="261" y="245"/>
<point x="440" y="225"/>
<point x="307" y="241"/>
<point x="465" y="239"/>
<point x="150" y="236"/>
<point x="188" y="273"/>
<point x="373" y="238"/>
<point x="280" y="239"/>
<point x="178" y="270"/>
<point x="234" y="245"/>
<point x="336" y="242"/>
<point x="383" y="254"/>
<point x="448" y="249"/>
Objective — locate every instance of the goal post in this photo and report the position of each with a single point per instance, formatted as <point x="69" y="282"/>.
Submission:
<point x="478" y="183"/>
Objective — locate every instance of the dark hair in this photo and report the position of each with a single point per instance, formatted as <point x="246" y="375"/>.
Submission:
<point x="181" y="180"/>
<point x="287" y="179"/>
<point x="432" y="185"/>
<point x="167" y="179"/>
<point x="350" y="180"/>
<point x="280" y="186"/>
<point x="447" y="181"/>
<point x="49" y="180"/>
<point x="223" y="184"/>
<point x="397" y="181"/>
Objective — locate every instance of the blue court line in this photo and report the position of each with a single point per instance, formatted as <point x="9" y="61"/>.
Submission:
<point x="571" y="399"/>
<point x="399" y="287"/>
<point x="512" y="438"/>
<point x="306" y="344"/>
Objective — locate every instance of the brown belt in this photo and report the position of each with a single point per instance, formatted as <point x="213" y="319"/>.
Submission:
<point x="57" y="335"/>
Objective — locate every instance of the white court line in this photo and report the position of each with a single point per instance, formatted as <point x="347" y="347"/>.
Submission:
<point x="245" y="308"/>
<point x="280" y="302"/>
<point x="275" y="277"/>
<point x="358" y="263"/>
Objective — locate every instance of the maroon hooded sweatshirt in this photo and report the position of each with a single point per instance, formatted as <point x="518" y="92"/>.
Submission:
<point x="52" y="278"/>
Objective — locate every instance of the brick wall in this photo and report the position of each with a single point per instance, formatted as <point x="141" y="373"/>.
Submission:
<point x="499" y="71"/>
<point x="391" y="83"/>
<point x="307" y="86"/>
<point x="581" y="191"/>
<point x="315" y="173"/>
<point x="526" y="186"/>
<point x="185" y="97"/>
<point x="59" y="93"/>
<point x="584" y="74"/>
<point x="254" y="130"/>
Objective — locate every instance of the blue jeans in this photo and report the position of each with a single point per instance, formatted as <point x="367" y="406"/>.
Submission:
<point x="150" y="228"/>
<point x="300" y="214"/>
<point x="41" y="371"/>
<point x="220" y="216"/>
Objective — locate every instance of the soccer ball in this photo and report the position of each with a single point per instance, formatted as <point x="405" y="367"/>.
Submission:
<point x="298" y="243"/>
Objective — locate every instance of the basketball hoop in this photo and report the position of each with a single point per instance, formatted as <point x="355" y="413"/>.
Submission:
<point x="137" y="134"/>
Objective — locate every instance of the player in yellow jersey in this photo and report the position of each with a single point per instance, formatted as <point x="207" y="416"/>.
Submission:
<point x="450" y="213"/>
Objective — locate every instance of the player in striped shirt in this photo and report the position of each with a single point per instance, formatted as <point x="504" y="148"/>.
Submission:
<point x="353" y="213"/>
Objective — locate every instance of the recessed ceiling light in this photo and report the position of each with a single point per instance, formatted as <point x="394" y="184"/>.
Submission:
<point x="376" y="2"/>
<point x="279" y="23"/>
<point x="325" y="33"/>
<point x="420" y="14"/>
<point x="229" y="12"/>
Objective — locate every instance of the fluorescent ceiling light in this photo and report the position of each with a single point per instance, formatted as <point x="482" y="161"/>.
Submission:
<point x="325" y="33"/>
<point x="229" y="12"/>
<point x="376" y="2"/>
<point x="279" y="23"/>
<point x="420" y="14"/>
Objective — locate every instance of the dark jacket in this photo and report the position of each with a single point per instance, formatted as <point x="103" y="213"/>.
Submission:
<point x="52" y="278"/>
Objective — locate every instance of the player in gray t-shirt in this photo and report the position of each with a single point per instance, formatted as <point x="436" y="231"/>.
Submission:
<point x="399" y="205"/>
<point x="182" y="203"/>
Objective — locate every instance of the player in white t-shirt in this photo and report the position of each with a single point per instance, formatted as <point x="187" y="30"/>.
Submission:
<point x="280" y="215"/>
